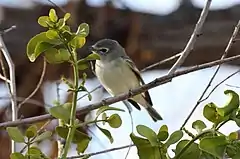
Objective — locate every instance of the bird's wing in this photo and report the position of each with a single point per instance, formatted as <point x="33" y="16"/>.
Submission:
<point x="137" y="73"/>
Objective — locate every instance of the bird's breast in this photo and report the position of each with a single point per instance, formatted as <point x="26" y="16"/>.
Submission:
<point x="116" y="77"/>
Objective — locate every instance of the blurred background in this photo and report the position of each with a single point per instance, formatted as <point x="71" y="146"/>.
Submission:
<point x="150" y="31"/>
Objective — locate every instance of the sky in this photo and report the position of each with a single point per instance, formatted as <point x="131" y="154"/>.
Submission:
<point x="162" y="7"/>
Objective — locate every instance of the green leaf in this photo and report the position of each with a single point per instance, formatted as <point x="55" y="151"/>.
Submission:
<point x="104" y="117"/>
<point x="52" y="15"/>
<point x="57" y="56"/>
<point x="15" y="134"/>
<point x="146" y="150"/>
<point x="31" y="131"/>
<point x="43" y="136"/>
<point x="41" y="48"/>
<point x="174" y="138"/>
<point x="193" y="152"/>
<point x="214" y="145"/>
<point x="82" y="145"/>
<point x="106" y="133"/>
<point x="43" y="21"/>
<point x="17" y="155"/>
<point x="83" y="30"/>
<point x="92" y="56"/>
<point x="61" y="24"/>
<point x="211" y="114"/>
<point x="60" y="112"/>
<point x="67" y="16"/>
<point x="34" y="42"/>
<point x="79" y="136"/>
<point x="78" y="42"/>
<point x="68" y="35"/>
<point x="52" y="34"/>
<point x="198" y="125"/>
<point x="231" y="105"/>
<point x="107" y="108"/>
<point x="148" y="133"/>
<point x="233" y="136"/>
<point x="237" y="156"/>
<point x="82" y="64"/>
<point x="67" y="82"/>
<point x="163" y="133"/>
<point x="35" y="153"/>
<point x="62" y="131"/>
<point x="115" y="121"/>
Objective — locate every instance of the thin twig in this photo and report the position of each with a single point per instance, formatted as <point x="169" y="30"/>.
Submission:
<point x="38" y="85"/>
<point x="124" y="96"/>
<point x="161" y="62"/>
<point x="225" y="79"/>
<point x="54" y="4"/>
<point x="38" y="132"/>
<point x="4" y="78"/>
<point x="229" y="45"/>
<point x="7" y="30"/>
<point x="229" y="85"/>
<point x="100" y="152"/>
<point x="93" y="90"/>
<point x="196" y="33"/>
<point x="30" y="101"/>
<point x="12" y="84"/>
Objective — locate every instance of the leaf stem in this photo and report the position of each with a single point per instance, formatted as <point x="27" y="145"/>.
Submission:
<point x="191" y="141"/>
<point x="72" y="126"/>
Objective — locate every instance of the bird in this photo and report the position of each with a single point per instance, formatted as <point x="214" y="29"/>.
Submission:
<point x="118" y="74"/>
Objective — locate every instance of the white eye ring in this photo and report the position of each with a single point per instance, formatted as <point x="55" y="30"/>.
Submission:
<point x="103" y="50"/>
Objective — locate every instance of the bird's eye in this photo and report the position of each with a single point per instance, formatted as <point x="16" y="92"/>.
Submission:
<point x="103" y="50"/>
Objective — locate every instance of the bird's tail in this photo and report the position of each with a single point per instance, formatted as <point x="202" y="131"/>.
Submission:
<point x="153" y="113"/>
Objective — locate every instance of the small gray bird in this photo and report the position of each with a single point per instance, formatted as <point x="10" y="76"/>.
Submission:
<point x="118" y="74"/>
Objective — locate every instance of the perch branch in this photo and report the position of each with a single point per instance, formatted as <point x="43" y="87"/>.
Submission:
<point x="111" y="100"/>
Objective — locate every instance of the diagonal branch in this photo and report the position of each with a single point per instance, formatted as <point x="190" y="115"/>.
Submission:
<point x="196" y="33"/>
<point x="111" y="100"/>
<point x="38" y="85"/>
<point x="229" y="45"/>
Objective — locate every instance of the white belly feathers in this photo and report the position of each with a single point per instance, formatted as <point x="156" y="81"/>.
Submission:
<point x="116" y="79"/>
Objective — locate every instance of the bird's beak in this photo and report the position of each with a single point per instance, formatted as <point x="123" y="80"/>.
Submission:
<point x="93" y="49"/>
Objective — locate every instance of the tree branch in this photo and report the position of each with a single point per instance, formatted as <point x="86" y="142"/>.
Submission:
<point x="38" y="85"/>
<point x="196" y="33"/>
<point x="111" y="100"/>
<point x="12" y="84"/>
<point x="100" y="152"/>
<point x="229" y="45"/>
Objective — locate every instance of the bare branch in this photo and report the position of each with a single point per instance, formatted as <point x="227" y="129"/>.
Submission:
<point x="225" y="79"/>
<point x="38" y="85"/>
<point x="161" y="62"/>
<point x="57" y="6"/>
<point x="7" y="30"/>
<point x="196" y="33"/>
<point x="12" y="84"/>
<point x="234" y="35"/>
<point x="121" y="97"/>
<point x="100" y="152"/>
<point x="4" y="78"/>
